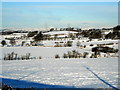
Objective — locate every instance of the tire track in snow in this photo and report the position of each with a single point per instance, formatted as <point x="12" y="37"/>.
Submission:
<point x="101" y="78"/>
<point x="26" y="75"/>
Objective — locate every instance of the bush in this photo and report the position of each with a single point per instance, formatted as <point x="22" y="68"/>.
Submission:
<point x="69" y="43"/>
<point x="57" y="56"/>
<point x="91" y="44"/>
<point x="3" y="42"/>
<point x="93" y="55"/>
<point x="84" y="46"/>
<point x="14" y="56"/>
<point x="85" y="54"/>
<point x="80" y="55"/>
<point x="23" y="42"/>
<point x="74" y="54"/>
<point x="65" y="56"/>
<point x="70" y="54"/>
<point x="104" y="49"/>
<point x="78" y="44"/>
<point x="38" y="37"/>
<point x="31" y="34"/>
<point x="40" y="57"/>
<point x="12" y="42"/>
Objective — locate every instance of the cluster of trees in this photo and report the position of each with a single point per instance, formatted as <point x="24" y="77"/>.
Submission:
<point x="97" y="50"/>
<point x="104" y="49"/>
<point x="115" y="34"/>
<point x="95" y="34"/>
<point x="76" y="54"/>
<point x="31" y="34"/>
<point x="14" y="56"/>
<point x="94" y="55"/>
<point x="92" y="34"/>
<point x="12" y="42"/>
<point x="8" y="32"/>
<point x="73" y="54"/>
<point x="38" y="37"/>
<point x="66" y="44"/>
<point x="63" y="29"/>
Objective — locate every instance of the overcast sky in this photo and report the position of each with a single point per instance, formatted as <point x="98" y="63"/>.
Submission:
<point x="59" y="14"/>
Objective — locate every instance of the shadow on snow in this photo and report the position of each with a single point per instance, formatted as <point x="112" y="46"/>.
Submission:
<point x="27" y="84"/>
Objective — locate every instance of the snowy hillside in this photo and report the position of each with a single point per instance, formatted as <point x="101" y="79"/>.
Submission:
<point x="66" y="72"/>
<point x="66" y="58"/>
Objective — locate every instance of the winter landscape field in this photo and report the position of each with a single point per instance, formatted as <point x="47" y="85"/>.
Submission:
<point x="67" y="72"/>
<point x="49" y="45"/>
<point x="42" y="69"/>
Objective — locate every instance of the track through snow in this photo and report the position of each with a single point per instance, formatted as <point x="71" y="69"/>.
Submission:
<point x="65" y="72"/>
<point x="101" y="78"/>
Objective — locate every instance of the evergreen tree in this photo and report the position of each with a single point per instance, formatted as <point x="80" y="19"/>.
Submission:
<point x="3" y="42"/>
<point x="38" y="37"/>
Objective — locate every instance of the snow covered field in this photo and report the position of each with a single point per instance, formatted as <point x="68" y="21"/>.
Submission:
<point x="50" y="52"/>
<point x="78" y="73"/>
<point x="101" y="72"/>
<point x="44" y="52"/>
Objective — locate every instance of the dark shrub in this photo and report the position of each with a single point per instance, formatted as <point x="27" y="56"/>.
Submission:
<point x="65" y="56"/>
<point x="69" y="43"/>
<point x="3" y="42"/>
<point x="57" y="56"/>
<point x="104" y="49"/>
<point x="31" y="34"/>
<point x="91" y="44"/>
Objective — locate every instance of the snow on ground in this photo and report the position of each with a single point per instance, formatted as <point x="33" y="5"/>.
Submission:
<point x="78" y="73"/>
<point x="60" y="32"/>
<point x="100" y="42"/>
<point x="28" y="84"/>
<point x="49" y="51"/>
<point x="67" y="72"/>
<point x="94" y="42"/>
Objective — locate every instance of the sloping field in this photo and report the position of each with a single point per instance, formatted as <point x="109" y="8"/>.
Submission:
<point x="78" y="73"/>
